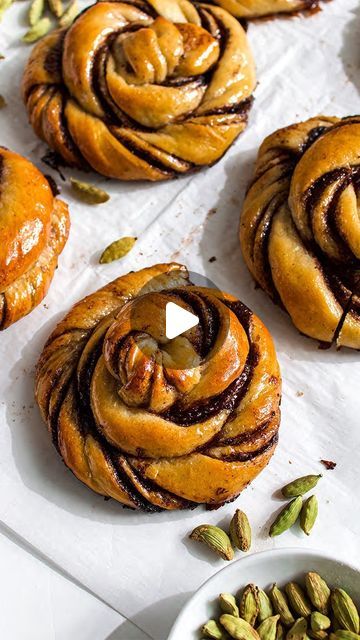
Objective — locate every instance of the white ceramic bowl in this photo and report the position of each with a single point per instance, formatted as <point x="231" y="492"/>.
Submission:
<point x="279" y="565"/>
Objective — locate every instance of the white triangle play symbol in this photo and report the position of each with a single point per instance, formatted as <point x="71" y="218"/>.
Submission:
<point x="178" y="320"/>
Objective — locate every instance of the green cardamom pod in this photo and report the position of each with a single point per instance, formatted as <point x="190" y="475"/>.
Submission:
<point x="228" y="604"/>
<point x="318" y="635"/>
<point x="267" y="630"/>
<point x="298" y="630"/>
<point x="238" y="628"/>
<point x="298" y="600"/>
<point x="116" y="250"/>
<point x="265" y="606"/>
<point x="39" y="30"/>
<point x="69" y="14"/>
<point x="318" y="592"/>
<point x="344" y="634"/>
<point x="345" y="610"/>
<point x="249" y="604"/>
<point x="212" y="630"/>
<point x="56" y="7"/>
<point x="286" y="518"/>
<point x="300" y="486"/>
<point x="88" y="193"/>
<point x="309" y="513"/>
<point x="240" y="531"/>
<point x="215" y="538"/>
<point x="281" y="606"/>
<point x="319" y="622"/>
<point x="35" y="11"/>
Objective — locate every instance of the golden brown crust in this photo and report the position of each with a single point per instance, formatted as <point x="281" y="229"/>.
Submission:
<point x="34" y="227"/>
<point x="142" y="90"/>
<point x="153" y="423"/>
<point x="300" y="226"/>
<point x="250" y="9"/>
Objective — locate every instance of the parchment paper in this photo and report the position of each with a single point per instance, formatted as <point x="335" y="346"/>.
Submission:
<point x="143" y="565"/>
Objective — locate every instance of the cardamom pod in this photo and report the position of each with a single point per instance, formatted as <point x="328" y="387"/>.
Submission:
<point x="39" y="30"/>
<point x="265" y="607"/>
<point x="238" y="628"/>
<point x="228" y="604"/>
<point x="214" y="537"/>
<point x="298" y="600"/>
<point x="319" y="622"/>
<point x="286" y="518"/>
<point x="56" y="7"/>
<point x="300" y="486"/>
<point x="267" y="630"/>
<point x="317" y="635"/>
<point x="280" y="633"/>
<point x="281" y="606"/>
<point x="309" y="513"/>
<point x="345" y="610"/>
<point x="249" y="604"/>
<point x="240" y="531"/>
<point x="4" y="5"/>
<point x="35" y="11"/>
<point x="116" y="250"/>
<point x="318" y="592"/>
<point x="88" y="193"/>
<point x="2" y="102"/>
<point x="298" y="630"/>
<point x="212" y="630"/>
<point x="344" y="634"/>
<point x="69" y="14"/>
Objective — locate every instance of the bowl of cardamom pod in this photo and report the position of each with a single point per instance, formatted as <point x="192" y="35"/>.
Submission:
<point x="281" y="594"/>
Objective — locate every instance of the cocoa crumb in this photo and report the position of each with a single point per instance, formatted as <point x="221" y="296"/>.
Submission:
<point x="328" y="464"/>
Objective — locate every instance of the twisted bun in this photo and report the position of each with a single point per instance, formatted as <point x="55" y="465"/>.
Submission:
<point x="34" y="227"/>
<point x="300" y="226"/>
<point x="248" y="9"/>
<point x="143" y="89"/>
<point x="157" y="423"/>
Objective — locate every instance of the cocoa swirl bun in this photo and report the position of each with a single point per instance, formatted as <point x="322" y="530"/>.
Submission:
<point x="300" y="226"/>
<point x="142" y="90"/>
<point x="34" y="227"/>
<point x="157" y="423"/>
<point x="248" y="9"/>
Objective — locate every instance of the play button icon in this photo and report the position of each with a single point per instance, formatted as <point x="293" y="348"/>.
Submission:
<point x="178" y="320"/>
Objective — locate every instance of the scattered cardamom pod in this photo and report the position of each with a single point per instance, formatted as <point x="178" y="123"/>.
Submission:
<point x="281" y="606"/>
<point x="319" y="622"/>
<point x="249" y="604"/>
<point x="56" y="7"/>
<point x="238" y="628"/>
<point x="318" y="592"/>
<point x="298" y="600"/>
<point x="240" y="531"/>
<point x="214" y="537"/>
<point x="40" y="29"/>
<point x="265" y="606"/>
<point x="35" y="11"/>
<point x="212" y="630"/>
<point x="88" y="193"/>
<point x="69" y="14"/>
<point x="345" y="610"/>
<point x="309" y="513"/>
<point x="300" y="486"/>
<point x="267" y="630"/>
<point x="228" y="604"/>
<point x="4" y="5"/>
<point x="2" y="102"/>
<point x="298" y="630"/>
<point x="116" y="250"/>
<point x="343" y="634"/>
<point x="286" y="518"/>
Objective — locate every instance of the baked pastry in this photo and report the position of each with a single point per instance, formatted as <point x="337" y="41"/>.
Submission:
<point x="248" y="9"/>
<point x="142" y="90"/>
<point x="34" y="227"/>
<point x="300" y="226"/>
<point x="157" y="423"/>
